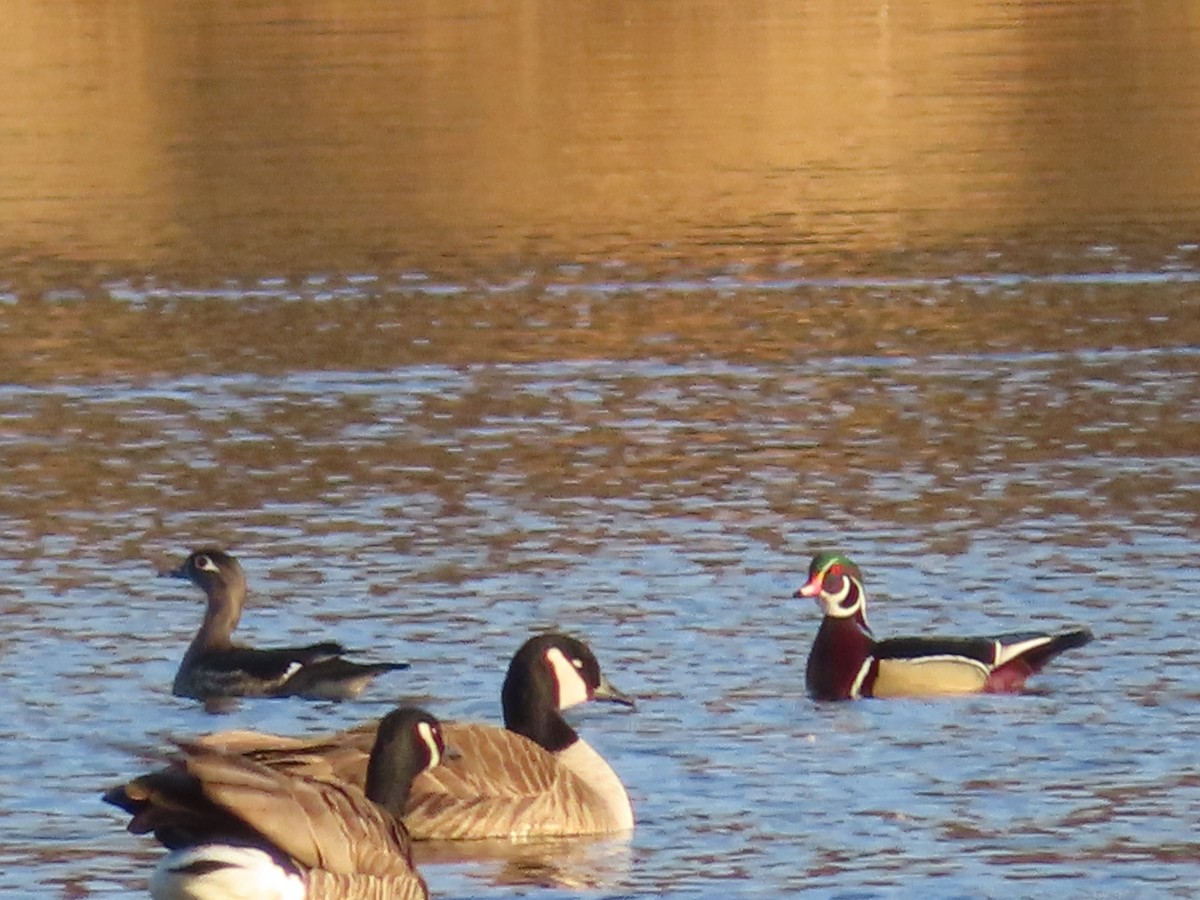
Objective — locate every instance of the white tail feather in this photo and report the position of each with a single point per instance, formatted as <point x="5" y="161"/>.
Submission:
<point x="1008" y="652"/>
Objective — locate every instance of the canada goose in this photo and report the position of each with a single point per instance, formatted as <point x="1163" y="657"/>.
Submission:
<point x="847" y="662"/>
<point x="214" y="667"/>
<point x="240" y="829"/>
<point x="533" y="778"/>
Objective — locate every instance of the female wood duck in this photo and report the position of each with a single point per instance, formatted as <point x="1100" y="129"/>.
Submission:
<point x="536" y="777"/>
<point x="214" y="667"/>
<point x="846" y="662"/>
<point x="239" y="829"/>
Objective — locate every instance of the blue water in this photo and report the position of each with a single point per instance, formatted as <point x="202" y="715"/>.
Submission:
<point x="666" y="510"/>
<point x="457" y="321"/>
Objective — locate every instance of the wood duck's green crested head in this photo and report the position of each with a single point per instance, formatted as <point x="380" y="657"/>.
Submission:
<point x="837" y="584"/>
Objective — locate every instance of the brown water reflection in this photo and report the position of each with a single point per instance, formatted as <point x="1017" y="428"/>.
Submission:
<point x="931" y="438"/>
<point x="462" y="319"/>
<point x="337" y="324"/>
<point x="286" y="137"/>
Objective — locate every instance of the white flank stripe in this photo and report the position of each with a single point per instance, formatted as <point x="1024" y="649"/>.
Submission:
<point x="856" y="685"/>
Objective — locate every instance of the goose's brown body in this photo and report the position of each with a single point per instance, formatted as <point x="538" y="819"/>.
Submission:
<point x="515" y="788"/>
<point x="499" y="784"/>
<point x="343" y="845"/>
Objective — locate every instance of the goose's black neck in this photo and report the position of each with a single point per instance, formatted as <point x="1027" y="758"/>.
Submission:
<point x="530" y="701"/>
<point x="396" y="759"/>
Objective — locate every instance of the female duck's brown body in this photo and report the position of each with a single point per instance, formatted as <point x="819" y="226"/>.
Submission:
<point x="215" y="667"/>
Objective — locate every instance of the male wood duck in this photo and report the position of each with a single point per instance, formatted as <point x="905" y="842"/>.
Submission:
<point x="847" y="662"/>
<point x="239" y="829"/>
<point x="215" y="668"/>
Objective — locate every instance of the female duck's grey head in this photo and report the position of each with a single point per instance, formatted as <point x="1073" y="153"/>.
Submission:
<point x="213" y="571"/>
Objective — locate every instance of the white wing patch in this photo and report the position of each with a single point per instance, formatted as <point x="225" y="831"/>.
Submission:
<point x="221" y="870"/>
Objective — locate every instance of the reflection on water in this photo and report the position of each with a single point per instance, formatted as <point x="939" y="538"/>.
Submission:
<point x="578" y="864"/>
<point x="460" y="320"/>
<point x="359" y="136"/>
<point x="666" y="510"/>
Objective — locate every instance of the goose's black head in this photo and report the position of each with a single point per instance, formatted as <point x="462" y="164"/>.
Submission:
<point x="408" y="742"/>
<point x="550" y="673"/>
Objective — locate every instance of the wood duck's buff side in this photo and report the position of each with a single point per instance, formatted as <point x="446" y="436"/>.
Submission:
<point x="847" y="662"/>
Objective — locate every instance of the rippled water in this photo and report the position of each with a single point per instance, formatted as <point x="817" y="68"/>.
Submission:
<point x="458" y="321"/>
<point x="666" y="509"/>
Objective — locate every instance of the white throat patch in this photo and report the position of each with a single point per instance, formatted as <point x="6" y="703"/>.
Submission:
<point x="572" y="689"/>
<point x="833" y="602"/>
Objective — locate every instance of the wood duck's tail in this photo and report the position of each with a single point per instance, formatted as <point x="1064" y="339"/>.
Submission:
<point x="1020" y="655"/>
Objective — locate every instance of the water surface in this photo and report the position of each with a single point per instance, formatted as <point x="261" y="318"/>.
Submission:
<point x="462" y="321"/>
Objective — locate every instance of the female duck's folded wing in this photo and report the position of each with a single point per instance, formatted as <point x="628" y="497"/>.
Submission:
<point x="501" y="785"/>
